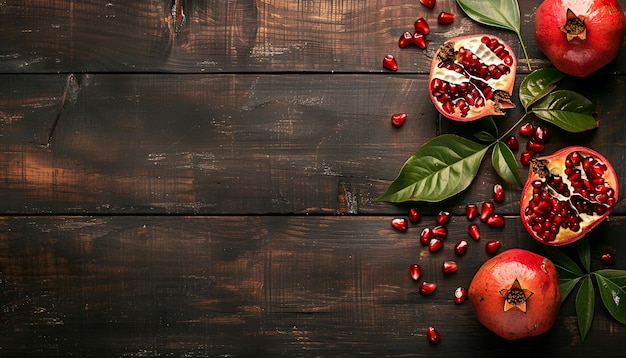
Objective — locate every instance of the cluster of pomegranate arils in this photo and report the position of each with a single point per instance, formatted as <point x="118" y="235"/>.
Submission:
<point x="537" y="138"/>
<point x="433" y="237"/>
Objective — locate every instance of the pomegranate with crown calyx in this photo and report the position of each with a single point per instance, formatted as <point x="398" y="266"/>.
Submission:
<point x="580" y="36"/>
<point x="516" y="294"/>
<point x="472" y="77"/>
<point x="567" y="194"/>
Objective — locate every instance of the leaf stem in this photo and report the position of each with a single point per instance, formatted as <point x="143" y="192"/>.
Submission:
<point x="519" y="35"/>
<point x="513" y="126"/>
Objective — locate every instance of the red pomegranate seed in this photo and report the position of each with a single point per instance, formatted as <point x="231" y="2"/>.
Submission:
<point x="435" y="245"/>
<point x="541" y="135"/>
<point x="527" y="130"/>
<point x="389" y="62"/>
<point x="532" y="146"/>
<point x="608" y="259"/>
<point x="486" y="210"/>
<point x="471" y="211"/>
<point x="461" y="247"/>
<point x="445" y="18"/>
<point x="496" y="220"/>
<point x="511" y="142"/>
<point x="398" y="119"/>
<point x="419" y="40"/>
<point x="449" y="266"/>
<point x="474" y="231"/>
<point x="421" y="26"/>
<point x="440" y="231"/>
<point x="443" y="217"/>
<point x="415" y="271"/>
<point x="426" y="235"/>
<point x="406" y="39"/>
<point x="426" y="288"/>
<point x="400" y="224"/>
<point x="414" y="215"/>
<point x="492" y="246"/>
<point x="460" y="295"/>
<point x="433" y="335"/>
<point x="526" y="157"/>
<point x="498" y="193"/>
<point x="428" y="3"/>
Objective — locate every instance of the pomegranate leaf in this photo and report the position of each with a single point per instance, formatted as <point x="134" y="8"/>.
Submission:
<point x="441" y="168"/>
<point x="617" y="276"/>
<point x="563" y="261"/>
<point x="585" y="300"/>
<point x="584" y="253"/>
<point x="613" y="297"/>
<point x="490" y="126"/>
<point x="538" y="84"/>
<point x="484" y="136"/>
<point x="566" y="109"/>
<point x="505" y="164"/>
<point x="497" y="13"/>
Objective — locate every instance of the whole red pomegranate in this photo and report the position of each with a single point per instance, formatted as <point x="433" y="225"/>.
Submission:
<point x="580" y="36"/>
<point x="472" y="77"/>
<point x="516" y="294"/>
<point x="567" y="194"/>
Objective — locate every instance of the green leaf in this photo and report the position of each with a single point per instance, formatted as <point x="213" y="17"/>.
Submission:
<point x="538" y="84"/>
<point x="567" y="109"/>
<point x="561" y="259"/>
<point x="584" y="253"/>
<point x="441" y="168"/>
<point x="567" y="285"/>
<point x="585" y="300"/>
<point x="505" y="164"/>
<point x="484" y="136"/>
<point x="616" y="276"/>
<point x="497" y="13"/>
<point x="490" y="126"/>
<point x="613" y="297"/>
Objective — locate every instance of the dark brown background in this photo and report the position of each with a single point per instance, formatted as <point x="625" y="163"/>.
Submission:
<point x="209" y="192"/>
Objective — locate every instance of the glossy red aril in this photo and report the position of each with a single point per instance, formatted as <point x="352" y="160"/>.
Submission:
<point x="426" y="288"/>
<point x="471" y="211"/>
<point x="449" y="266"/>
<point x="445" y="18"/>
<point x="419" y="40"/>
<point x="435" y="244"/>
<point x="567" y="194"/>
<point x="527" y="130"/>
<point x="580" y="37"/>
<point x="440" y="231"/>
<point x="428" y="3"/>
<point x="398" y="119"/>
<point x="541" y="135"/>
<point x="426" y="235"/>
<point x="389" y="62"/>
<point x="421" y="26"/>
<point x="461" y="247"/>
<point x="535" y="147"/>
<point x="400" y="224"/>
<point x="415" y="215"/>
<point x="433" y="335"/>
<point x="460" y="295"/>
<point x="405" y="39"/>
<point x="608" y="258"/>
<point x="472" y="77"/>
<point x="496" y="220"/>
<point x="498" y="193"/>
<point x="415" y="271"/>
<point x="473" y="231"/>
<point x="443" y="217"/>
<point x="516" y="294"/>
<point x="511" y="142"/>
<point x="492" y="246"/>
<point x="526" y="157"/>
<point x="487" y="209"/>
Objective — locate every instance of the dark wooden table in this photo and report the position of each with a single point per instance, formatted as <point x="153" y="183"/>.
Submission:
<point x="206" y="189"/>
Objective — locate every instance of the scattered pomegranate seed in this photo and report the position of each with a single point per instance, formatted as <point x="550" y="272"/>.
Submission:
<point x="426" y="288"/>
<point x="440" y="231"/>
<point x="460" y="295"/>
<point x="400" y="224"/>
<point x="492" y="246"/>
<point x="414" y="215"/>
<point x="471" y="211"/>
<point x="406" y="39"/>
<point x="389" y="62"/>
<point x="461" y="247"/>
<point x="532" y="146"/>
<point x="426" y="235"/>
<point x="608" y="259"/>
<point x="419" y="40"/>
<point x="498" y="193"/>
<point x="526" y="157"/>
<point x="433" y="335"/>
<point x="398" y="119"/>
<point x="421" y="26"/>
<point x="474" y="231"/>
<point x="449" y="266"/>
<point x="445" y="18"/>
<point x="443" y="217"/>
<point x="541" y="135"/>
<point x="511" y="142"/>
<point x="527" y="129"/>
<point x="487" y="209"/>
<point x="428" y="3"/>
<point x="435" y="244"/>
<point x="415" y="271"/>
<point x="496" y="220"/>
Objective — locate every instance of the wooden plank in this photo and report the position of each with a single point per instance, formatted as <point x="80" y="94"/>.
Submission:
<point x="233" y="36"/>
<point x="256" y="285"/>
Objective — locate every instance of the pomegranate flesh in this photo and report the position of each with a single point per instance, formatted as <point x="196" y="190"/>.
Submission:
<point x="580" y="37"/>
<point x="567" y="194"/>
<point x="516" y="294"/>
<point x="472" y="77"/>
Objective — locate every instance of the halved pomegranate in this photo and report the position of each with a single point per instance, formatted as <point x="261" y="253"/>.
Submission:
<point x="567" y="194"/>
<point x="472" y="77"/>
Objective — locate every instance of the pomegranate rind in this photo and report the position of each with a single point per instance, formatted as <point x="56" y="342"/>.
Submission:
<point x="504" y="83"/>
<point x="533" y="272"/>
<point x="557" y="163"/>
